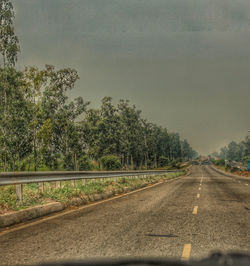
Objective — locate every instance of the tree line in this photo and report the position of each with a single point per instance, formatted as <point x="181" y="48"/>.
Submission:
<point x="239" y="152"/>
<point x="42" y="128"/>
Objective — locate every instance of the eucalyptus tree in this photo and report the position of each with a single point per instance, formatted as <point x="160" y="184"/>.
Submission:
<point x="14" y="125"/>
<point x="35" y="80"/>
<point x="9" y="49"/>
<point x="109" y="128"/>
<point x="61" y="112"/>
<point x="9" y="44"/>
<point x="175" y="147"/>
<point x="90" y="132"/>
<point x="52" y="125"/>
<point x="132" y="134"/>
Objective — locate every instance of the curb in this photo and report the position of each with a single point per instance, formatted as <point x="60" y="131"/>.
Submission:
<point x="29" y="214"/>
<point x="25" y="215"/>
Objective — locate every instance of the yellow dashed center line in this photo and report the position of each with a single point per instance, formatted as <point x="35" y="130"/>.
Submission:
<point x="195" y="209"/>
<point x="199" y="188"/>
<point x="186" y="252"/>
<point x="198" y="195"/>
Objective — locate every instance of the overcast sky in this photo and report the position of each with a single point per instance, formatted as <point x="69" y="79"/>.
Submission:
<point x="184" y="63"/>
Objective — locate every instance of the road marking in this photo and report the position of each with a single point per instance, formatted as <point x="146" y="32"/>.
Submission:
<point x="195" y="210"/>
<point x="65" y="212"/>
<point x="186" y="252"/>
<point x="199" y="188"/>
<point x="198" y="195"/>
<point x="246" y="184"/>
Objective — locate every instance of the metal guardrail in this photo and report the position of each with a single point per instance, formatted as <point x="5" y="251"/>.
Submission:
<point x="21" y="178"/>
<point x="37" y="177"/>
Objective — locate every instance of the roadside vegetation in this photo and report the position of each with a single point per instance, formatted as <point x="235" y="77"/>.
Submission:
<point x="227" y="167"/>
<point x="233" y="152"/>
<point x="234" y="158"/>
<point x="70" y="195"/>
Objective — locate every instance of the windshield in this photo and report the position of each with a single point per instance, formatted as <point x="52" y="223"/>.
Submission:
<point x="124" y="129"/>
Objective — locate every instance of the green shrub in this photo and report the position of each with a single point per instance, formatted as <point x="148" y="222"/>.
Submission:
<point x="85" y="164"/>
<point x="220" y="162"/>
<point x="110" y="162"/>
<point x="173" y="163"/>
<point x="163" y="161"/>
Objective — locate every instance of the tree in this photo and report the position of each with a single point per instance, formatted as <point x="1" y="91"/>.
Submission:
<point x="9" y="46"/>
<point x="8" y="49"/>
<point x="65" y="136"/>
<point x="14" y="124"/>
<point x="175" y="147"/>
<point x="132" y="135"/>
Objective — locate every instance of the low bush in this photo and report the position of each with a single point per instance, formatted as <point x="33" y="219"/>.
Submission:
<point x="219" y="162"/>
<point x="110" y="162"/>
<point x="85" y="164"/>
<point x="163" y="161"/>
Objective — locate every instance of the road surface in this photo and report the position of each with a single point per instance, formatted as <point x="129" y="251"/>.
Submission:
<point x="190" y="216"/>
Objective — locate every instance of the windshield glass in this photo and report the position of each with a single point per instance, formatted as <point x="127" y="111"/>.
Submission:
<point x="124" y="129"/>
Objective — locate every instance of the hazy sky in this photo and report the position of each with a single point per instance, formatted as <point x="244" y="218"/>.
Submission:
<point x="184" y="63"/>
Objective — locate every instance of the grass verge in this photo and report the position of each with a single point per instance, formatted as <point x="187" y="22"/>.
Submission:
<point x="67" y="193"/>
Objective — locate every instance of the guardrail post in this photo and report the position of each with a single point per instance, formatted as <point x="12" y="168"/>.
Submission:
<point x="58" y="184"/>
<point x="83" y="182"/>
<point x="73" y="183"/>
<point x="19" y="192"/>
<point x="41" y="187"/>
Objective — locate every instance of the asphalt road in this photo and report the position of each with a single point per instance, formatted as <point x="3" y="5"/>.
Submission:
<point x="168" y="220"/>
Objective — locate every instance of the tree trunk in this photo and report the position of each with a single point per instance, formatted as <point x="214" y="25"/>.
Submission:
<point x="35" y="151"/>
<point x="155" y="161"/>
<point x="4" y="130"/>
<point x="141" y="163"/>
<point x="132" y="162"/>
<point x="4" y="163"/>
<point x="18" y="162"/>
<point x="13" y="165"/>
<point x="75" y="162"/>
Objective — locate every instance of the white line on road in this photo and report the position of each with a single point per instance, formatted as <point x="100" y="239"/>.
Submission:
<point x="186" y="252"/>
